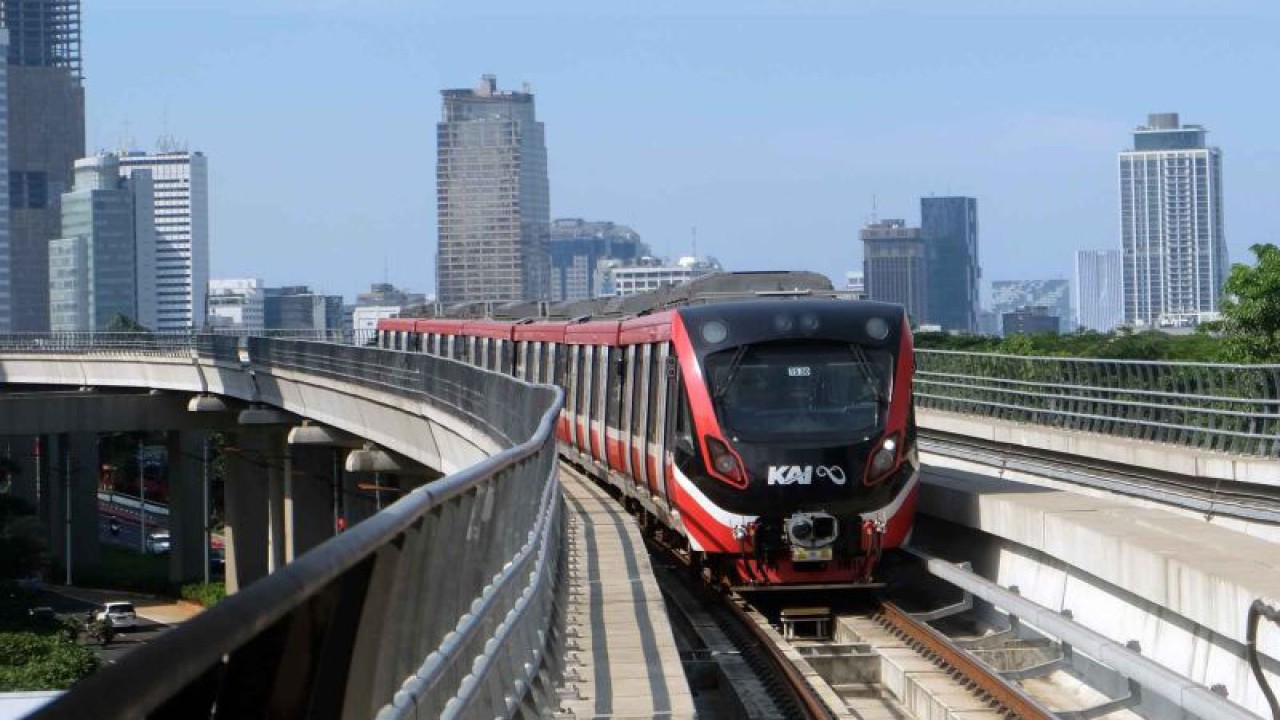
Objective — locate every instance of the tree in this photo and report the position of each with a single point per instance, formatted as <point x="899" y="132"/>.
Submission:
<point x="123" y="323"/>
<point x="1250" y="325"/>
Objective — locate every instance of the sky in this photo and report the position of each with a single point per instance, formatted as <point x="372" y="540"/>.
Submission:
<point x="775" y="128"/>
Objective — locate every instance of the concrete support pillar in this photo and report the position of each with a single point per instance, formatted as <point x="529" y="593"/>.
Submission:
<point x="21" y="451"/>
<point x="187" y="510"/>
<point x="71" y="506"/>
<point x="309" y="518"/>
<point x="357" y="504"/>
<point x="245" y="500"/>
<point x="278" y="477"/>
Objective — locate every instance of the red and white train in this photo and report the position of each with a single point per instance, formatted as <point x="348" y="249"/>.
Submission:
<point x="776" y="436"/>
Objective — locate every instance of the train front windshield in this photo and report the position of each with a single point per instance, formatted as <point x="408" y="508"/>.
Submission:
<point x="814" y="392"/>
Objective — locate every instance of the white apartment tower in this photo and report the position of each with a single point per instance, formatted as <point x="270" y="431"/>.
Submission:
<point x="182" y="234"/>
<point x="1099" y="302"/>
<point x="1171" y="227"/>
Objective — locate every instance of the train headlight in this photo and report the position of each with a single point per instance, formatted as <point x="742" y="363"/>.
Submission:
<point x="877" y="328"/>
<point x="882" y="461"/>
<point x="725" y="463"/>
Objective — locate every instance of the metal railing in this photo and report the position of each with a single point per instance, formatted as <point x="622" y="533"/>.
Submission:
<point x="1226" y="408"/>
<point x="442" y="605"/>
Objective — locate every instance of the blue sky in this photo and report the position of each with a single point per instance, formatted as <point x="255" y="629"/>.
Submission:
<point x="768" y="127"/>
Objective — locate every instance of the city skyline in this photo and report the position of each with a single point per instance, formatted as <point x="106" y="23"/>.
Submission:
<point x="662" y="132"/>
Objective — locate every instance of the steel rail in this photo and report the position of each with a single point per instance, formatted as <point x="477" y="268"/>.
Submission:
<point x="1210" y="497"/>
<point x="1186" y="694"/>
<point x="1001" y="691"/>
<point x="800" y="689"/>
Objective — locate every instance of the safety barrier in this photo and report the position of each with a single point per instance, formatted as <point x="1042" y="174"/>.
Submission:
<point x="442" y="605"/>
<point x="1227" y="408"/>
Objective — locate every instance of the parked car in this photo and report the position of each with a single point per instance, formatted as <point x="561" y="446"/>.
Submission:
<point x="117" y="614"/>
<point x="158" y="542"/>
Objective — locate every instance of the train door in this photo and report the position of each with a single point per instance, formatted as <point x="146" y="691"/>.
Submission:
<point x="663" y="380"/>
<point x="598" y="401"/>
<point x="631" y="412"/>
<point x="572" y="383"/>
<point x="644" y="393"/>
<point x="613" y="409"/>
<point x="587" y="410"/>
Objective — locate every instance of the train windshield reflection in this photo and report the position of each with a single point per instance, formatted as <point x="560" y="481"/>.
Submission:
<point x="785" y="390"/>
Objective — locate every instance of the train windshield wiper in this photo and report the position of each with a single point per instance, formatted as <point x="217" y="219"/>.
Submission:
<point x="868" y="372"/>
<point x="734" y="363"/>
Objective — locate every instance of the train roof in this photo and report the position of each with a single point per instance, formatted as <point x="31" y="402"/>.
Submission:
<point x="711" y="288"/>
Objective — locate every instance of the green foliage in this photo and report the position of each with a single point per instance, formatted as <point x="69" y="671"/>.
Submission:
<point x="123" y="323"/>
<point x="1250" y="325"/>
<point x="34" y="661"/>
<point x="123" y="569"/>
<point x="1122" y="345"/>
<point x="206" y="594"/>
<point x="22" y="550"/>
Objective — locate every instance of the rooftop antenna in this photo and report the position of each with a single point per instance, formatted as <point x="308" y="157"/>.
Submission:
<point x="874" y="216"/>
<point x="385" y="271"/>
<point x="694" y="232"/>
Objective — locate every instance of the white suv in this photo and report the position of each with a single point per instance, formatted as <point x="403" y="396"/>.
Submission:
<point x="118" y="614"/>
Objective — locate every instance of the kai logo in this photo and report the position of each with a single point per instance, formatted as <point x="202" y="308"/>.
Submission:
<point x="803" y="474"/>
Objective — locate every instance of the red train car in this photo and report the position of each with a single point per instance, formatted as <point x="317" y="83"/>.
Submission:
<point x="775" y="436"/>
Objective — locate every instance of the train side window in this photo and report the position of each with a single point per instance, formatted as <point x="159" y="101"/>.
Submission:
<point x="597" y="358"/>
<point x="684" y="434"/>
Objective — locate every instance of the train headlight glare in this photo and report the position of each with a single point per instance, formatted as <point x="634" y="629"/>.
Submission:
<point x="715" y="332"/>
<point x="725" y="464"/>
<point x="882" y="462"/>
<point x="877" y="328"/>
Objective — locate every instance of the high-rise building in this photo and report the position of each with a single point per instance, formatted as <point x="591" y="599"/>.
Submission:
<point x="182" y="234"/>
<point x="236" y="304"/>
<point x="1030" y="320"/>
<point x="855" y="284"/>
<point x="6" y="288"/>
<point x="578" y="247"/>
<point x="46" y="137"/>
<point x="386" y="294"/>
<point x="296" y="307"/>
<point x="1010" y="295"/>
<point x="1099" y="301"/>
<point x="949" y="227"/>
<point x="895" y="267"/>
<point x="103" y="265"/>
<point x="492" y="197"/>
<point x="650" y="274"/>
<point x="1171" y="225"/>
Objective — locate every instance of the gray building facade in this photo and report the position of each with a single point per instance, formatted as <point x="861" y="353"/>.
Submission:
<point x="296" y="307"/>
<point x="1171" y="225"/>
<point x="949" y="227"/>
<point x="1099" y="299"/>
<point x="579" y="247"/>
<point x="103" y="264"/>
<point x="46" y="137"/>
<point x="1030" y="320"/>
<point x="895" y="266"/>
<point x="492" y="197"/>
<point x="1009" y="295"/>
